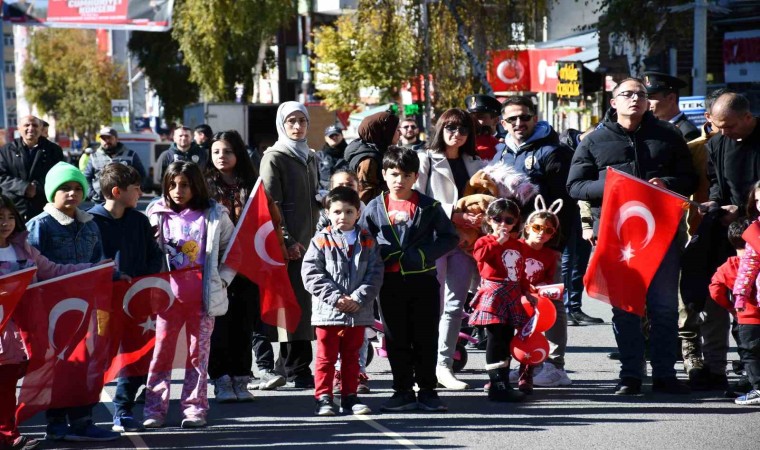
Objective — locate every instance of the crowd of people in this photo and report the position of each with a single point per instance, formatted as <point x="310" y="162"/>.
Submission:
<point x="378" y="229"/>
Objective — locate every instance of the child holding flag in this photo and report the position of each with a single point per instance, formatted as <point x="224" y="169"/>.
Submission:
<point x="193" y="231"/>
<point x="16" y="254"/>
<point x="65" y="234"/>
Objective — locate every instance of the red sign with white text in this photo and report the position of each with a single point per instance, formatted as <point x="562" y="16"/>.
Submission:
<point x="533" y="70"/>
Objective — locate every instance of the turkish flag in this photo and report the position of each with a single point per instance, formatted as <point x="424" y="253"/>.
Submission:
<point x="66" y="325"/>
<point x="12" y="287"/>
<point x="638" y="223"/>
<point x="135" y="307"/>
<point x="254" y="252"/>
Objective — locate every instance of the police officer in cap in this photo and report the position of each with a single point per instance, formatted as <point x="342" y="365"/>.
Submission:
<point x="663" y="102"/>
<point x="486" y="111"/>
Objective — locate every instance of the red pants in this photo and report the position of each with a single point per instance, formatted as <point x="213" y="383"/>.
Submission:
<point x="8" y="380"/>
<point x="330" y="341"/>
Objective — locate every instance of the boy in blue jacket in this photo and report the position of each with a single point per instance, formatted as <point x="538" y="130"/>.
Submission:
<point x="127" y="239"/>
<point x="412" y="231"/>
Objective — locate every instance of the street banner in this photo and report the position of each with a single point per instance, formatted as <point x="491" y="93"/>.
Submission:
<point x="638" y="223"/>
<point x="65" y="325"/>
<point x="255" y="253"/>
<point x="120" y="115"/>
<point x="12" y="287"/>
<point x="136" y="308"/>
<point x="145" y="15"/>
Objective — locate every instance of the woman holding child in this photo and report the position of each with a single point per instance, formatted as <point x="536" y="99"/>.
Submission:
<point x="445" y="168"/>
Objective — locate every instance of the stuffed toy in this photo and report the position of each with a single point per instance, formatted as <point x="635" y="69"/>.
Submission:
<point x="473" y="204"/>
<point x="502" y="181"/>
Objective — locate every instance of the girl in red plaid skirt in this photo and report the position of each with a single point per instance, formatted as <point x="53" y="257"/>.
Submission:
<point x="501" y="264"/>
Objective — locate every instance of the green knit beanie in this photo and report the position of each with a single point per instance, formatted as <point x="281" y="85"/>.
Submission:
<point x="63" y="173"/>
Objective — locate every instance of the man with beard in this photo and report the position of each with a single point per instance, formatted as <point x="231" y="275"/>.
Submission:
<point x="110" y="150"/>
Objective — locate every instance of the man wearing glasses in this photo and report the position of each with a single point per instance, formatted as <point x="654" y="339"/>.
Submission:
<point x="410" y="134"/>
<point x="631" y="139"/>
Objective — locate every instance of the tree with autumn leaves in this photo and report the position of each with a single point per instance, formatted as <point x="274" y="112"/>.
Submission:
<point x="67" y="78"/>
<point x="381" y="46"/>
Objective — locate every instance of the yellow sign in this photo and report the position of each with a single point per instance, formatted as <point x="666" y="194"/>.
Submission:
<point x="570" y="79"/>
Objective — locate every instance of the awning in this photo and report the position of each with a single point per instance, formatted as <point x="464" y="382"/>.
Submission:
<point x="588" y="41"/>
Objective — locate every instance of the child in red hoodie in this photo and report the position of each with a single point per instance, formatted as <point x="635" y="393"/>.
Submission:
<point x="746" y="268"/>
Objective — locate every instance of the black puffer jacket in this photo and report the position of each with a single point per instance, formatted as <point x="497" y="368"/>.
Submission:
<point x="656" y="149"/>
<point x="330" y="160"/>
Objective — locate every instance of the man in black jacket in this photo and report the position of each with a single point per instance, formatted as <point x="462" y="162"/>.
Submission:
<point x="533" y="147"/>
<point x="183" y="149"/>
<point x="633" y="140"/>
<point x="330" y="158"/>
<point x="24" y="163"/>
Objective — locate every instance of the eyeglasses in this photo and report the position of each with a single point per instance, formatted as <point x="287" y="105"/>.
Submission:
<point x="631" y="94"/>
<point x="409" y="127"/>
<point x="508" y="220"/>
<point x="464" y="131"/>
<point x="536" y="228"/>
<point x="522" y="117"/>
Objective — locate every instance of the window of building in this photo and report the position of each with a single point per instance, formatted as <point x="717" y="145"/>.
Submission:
<point x="10" y="94"/>
<point x="8" y="39"/>
<point x="12" y="121"/>
<point x="10" y="67"/>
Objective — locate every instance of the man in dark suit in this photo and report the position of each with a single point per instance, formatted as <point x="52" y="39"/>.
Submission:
<point x="24" y="163"/>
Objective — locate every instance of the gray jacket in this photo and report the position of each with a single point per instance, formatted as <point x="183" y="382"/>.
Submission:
<point x="329" y="273"/>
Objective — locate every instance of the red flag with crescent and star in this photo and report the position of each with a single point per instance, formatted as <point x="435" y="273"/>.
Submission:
<point x="12" y="287"/>
<point x="255" y="253"/>
<point x="136" y="305"/>
<point x="65" y="323"/>
<point x="638" y="223"/>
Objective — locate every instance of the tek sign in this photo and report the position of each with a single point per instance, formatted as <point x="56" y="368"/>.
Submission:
<point x="693" y="108"/>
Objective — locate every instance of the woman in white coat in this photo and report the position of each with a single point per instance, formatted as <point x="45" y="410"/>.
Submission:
<point x="445" y="168"/>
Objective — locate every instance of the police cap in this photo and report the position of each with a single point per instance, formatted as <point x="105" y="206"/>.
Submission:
<point x="482" y="103"/>
<point x="658" y="82"/>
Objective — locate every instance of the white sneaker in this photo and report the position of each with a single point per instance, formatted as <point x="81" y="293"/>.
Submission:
<point x="447" y="379"/>
<point x="153" y="423"/>
<point x="223" y="390"/>
<point x="193" y="422"/>
<point x="240" y="388"/>
<point x="551" y="376"/>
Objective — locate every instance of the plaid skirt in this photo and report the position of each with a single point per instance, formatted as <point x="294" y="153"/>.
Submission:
<point x="498" y="303"/>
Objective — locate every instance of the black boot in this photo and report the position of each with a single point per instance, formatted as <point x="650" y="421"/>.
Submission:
<point x="500" y="390"/>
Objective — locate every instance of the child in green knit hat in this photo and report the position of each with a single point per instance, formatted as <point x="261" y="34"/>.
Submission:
<point x="65" y="234"/>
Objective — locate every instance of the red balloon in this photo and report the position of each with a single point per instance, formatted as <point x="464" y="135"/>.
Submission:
<point x="547" y="313"/>
<point x="532" y="350"/>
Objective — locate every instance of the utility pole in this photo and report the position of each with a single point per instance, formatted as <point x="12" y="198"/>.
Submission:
<point x="425" y="25"/>
<point x="699" y="69"/>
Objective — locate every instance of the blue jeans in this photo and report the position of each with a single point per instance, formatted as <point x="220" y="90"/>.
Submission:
<point x="126" y="391"/>
<point x="662" y="311"/>
<point x="574" y="261"/>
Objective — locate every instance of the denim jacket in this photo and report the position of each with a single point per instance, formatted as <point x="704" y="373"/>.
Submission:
<point x="65" y="240"/>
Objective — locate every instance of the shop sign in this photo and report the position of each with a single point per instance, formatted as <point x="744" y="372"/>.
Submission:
<point x="570" y="80"/>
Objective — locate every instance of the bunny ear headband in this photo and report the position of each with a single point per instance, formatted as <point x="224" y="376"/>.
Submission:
<point x="540" y="206"/>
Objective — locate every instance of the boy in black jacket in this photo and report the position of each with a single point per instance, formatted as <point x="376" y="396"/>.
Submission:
<point x="412" y="231"/>
<point x="128" y="240"/>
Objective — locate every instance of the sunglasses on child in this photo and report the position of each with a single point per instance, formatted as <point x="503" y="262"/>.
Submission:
<point x="536" y="228"/>
<point x="508" y="220"/>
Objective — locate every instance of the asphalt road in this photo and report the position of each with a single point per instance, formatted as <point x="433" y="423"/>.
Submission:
<point x="585" y="415"/>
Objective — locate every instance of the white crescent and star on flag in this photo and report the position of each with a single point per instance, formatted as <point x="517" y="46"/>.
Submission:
<point x="148" y="283"/>
<point x="66" y="305"/>
<point x="259" y="243"/>
<point x="627" y="211"/>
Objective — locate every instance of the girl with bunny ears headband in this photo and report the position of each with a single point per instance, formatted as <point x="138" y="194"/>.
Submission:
<point x="543" y="222"/>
